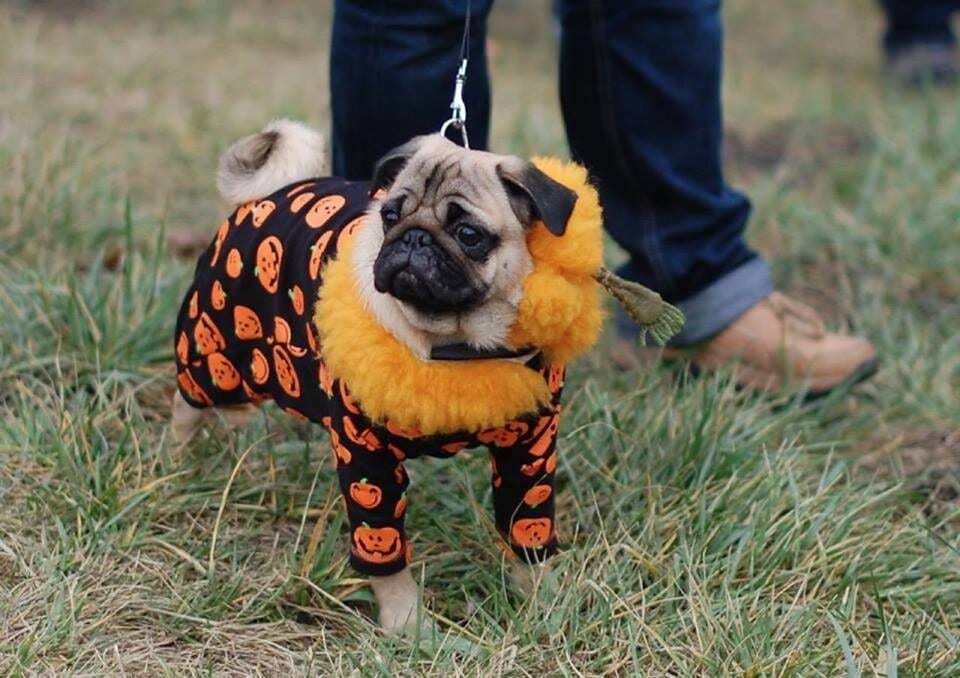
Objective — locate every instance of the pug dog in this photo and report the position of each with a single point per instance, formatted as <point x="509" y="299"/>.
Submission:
<point x="384" y="311"/>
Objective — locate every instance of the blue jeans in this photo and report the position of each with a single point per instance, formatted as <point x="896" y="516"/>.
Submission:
<point x="912" y="22"/>
<point x="640" y="94"/>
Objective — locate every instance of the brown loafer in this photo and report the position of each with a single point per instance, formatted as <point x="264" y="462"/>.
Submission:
<point x="780" y="345"/>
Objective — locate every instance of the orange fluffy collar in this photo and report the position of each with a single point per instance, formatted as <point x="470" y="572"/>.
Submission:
<point x="560" y="313"/>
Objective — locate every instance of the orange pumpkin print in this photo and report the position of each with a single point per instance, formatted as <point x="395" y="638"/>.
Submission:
<point x="340" y="453"/>
<point x="531" y="533"/>
<point x="324" y="208"/>
<point x="551" y="464"/>
<point x="377" y="544"/>
<point x="296" y="189"/>
<point x="532" y="468"/>
<point x="348" y="232"/>
<point x="297" y="204"/>
<point x="399" y="474"/>
<point x="311" y="337"/>
<point x="282" y="334"/>
<point x="455" y="447"/>
<point x="555" y="377"/>
<point x="269" y="257"/>
<point x="193" y="308"/>
<point x="539" y="448"/>
<point x="242" y="212"/>
<point x="259" y="367"/>
<point x="222" y="372"/>
<point x="234" y="263"/>
<point x="317" y="251"/>
<point x="192" y="389"/>
<point x="536" y="495"/>
<point x="218" y="243"/>
<point x="397" y="453"/>
<point x="183" y="348"/>
<point x="400" y="507"/>
<point x="542" y="423"/>
<point x="296" y="298"/>
<point x="207" y="337"/>
<point x="505" y="436"/>
<point x="348" y="400"/>
<point x="218" y="298"/>
<point x="262" y="211"/>
<point x="326" y="380"/>
<point x="286" y="374"/>
<point x="365" y="494"/>
<point x="408" y="433"/>
<point x="366" y="438"/>
<point x="246" y="323"/>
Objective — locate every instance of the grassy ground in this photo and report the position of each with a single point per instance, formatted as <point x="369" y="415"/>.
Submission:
<point x="709" y="532"/>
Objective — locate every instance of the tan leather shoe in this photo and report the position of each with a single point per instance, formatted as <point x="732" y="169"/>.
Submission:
<point x="779" y="345"/>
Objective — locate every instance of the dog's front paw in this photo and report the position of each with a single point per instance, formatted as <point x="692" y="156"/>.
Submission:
<point x="401" y="606"/>
<point x="530" y="579"/>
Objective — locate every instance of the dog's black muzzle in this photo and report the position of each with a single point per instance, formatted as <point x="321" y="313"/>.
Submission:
<point x="417" y="270"/>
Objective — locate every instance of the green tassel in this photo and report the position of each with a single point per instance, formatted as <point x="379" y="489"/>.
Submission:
<point x="644" y="306"/>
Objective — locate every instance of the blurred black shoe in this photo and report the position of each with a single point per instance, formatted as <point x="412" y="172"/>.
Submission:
<point x="924" y="62"/>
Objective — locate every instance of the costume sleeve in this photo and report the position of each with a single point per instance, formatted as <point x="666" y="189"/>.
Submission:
<point x="373" y="483"/>
<point x="524" y="461"/>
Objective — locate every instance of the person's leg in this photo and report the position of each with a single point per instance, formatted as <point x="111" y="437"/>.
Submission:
<point x="919" y="42"/>
<point x="910" y="22"/>
<point x="392" y="68"/>
<point x="640" y="88"/>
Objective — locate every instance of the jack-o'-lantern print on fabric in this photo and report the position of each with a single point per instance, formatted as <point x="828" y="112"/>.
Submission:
<point x="234" y="265"/>
<point x="246" y="323"/>
<point x="207" y="336"/>
<point x="269" y="260"/>
<point x="261" y="211"/>
<point x="285" y="372"/>
<point x="218" y="297"/>
<point x="222" y="372"/>
<point x="377" y="544"/>
<point x="531" y="532"/>
<point x="218" y="242"/>
<point x="324" y="209"/>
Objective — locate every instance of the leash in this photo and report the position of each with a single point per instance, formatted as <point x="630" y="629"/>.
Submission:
<point x="458" y="108"/>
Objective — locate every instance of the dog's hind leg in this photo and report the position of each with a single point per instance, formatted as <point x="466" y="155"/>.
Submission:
<point x="235" y="416"/>
<point x="185" y="419"/>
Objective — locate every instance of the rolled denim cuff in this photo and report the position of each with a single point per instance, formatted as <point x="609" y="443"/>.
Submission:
<point x="713" y="309"/>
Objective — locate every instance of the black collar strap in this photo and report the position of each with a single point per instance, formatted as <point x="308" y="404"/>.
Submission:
<point x="461" y="351"/>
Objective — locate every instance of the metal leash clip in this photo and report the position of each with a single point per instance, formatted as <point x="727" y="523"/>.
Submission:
<point x="458" y="114"/>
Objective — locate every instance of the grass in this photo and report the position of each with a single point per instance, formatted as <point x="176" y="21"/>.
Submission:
<point x="709" y="532"/>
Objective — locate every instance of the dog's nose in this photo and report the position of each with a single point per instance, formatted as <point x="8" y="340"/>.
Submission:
<point x="417" y="237"/>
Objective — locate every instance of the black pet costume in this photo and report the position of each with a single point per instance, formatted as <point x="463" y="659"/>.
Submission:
<point x="245" y="334"/>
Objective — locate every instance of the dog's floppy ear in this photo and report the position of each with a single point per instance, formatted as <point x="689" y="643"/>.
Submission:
<point x="533" y="195"/>
<point x="391" y="164"/>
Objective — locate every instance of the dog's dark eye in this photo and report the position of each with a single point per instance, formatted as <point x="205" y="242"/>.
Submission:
<point x="390" y="216"/>
<point x="469" y="236"/>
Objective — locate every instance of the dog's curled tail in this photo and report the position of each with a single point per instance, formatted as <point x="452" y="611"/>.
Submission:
<point x="285" y="151"/>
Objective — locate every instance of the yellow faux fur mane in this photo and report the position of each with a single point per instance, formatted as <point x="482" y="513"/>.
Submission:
<point x="560" y="314"/>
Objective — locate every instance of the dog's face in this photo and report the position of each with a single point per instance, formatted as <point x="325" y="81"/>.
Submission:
<point x="445" y="244"/>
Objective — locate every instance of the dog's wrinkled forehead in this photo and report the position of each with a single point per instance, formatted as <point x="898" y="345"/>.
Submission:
<point x="430" y="170"/>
